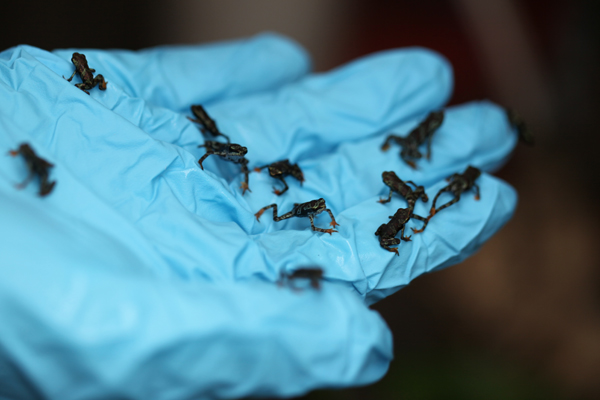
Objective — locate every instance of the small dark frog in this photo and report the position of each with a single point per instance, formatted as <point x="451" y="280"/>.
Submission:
<point x="208" y="124"/>
<point x="86" y="74"/>
<point x="518" y="123"/>
<point x="313" y="275"/>
<point x="421" y="134"/>
<point x="37" y="166"/>
<point x="231" y="152"/>
<point x="459" y="183"/>
<point x="403" y="189"/>
<point x="281" y="169"/>
<point x="309" y="209"/>
<point x="387" y="232"/>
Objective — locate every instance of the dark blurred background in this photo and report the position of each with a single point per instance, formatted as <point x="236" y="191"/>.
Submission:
<point x="519" y="320"/>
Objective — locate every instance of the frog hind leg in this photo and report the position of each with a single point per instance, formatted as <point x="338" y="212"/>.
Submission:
<point x="448" y="204"/>
<point x="424" y="220"/>
<point x="442" y="190"/>
<point x="282" y="217"/>
<point x="201" y="160"/>
<point x="99" y="79"/>
<point x="46" y="188"/>
<point x="262" y="210"/>
<point x="383" y="201"/>
<point x="314" y="228"/>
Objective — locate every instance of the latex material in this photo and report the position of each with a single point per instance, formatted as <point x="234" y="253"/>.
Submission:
<point x="142" y="276"/>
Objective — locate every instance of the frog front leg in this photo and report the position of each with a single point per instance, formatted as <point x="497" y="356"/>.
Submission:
<point x="14" y="153"/>
<point x="405" y="238"/>
<point x="314" y="282"/>
<point x="477" y="197"/>
<point x="452" y="177"/>
<point x="198" y="122"/>
<point x="333" y="222"/>
<point x="202" y="129"/>
<point x="244" y="185"/>
<point x="26" y="181"/>
<point x="382" y="201"/>
<point x="404" y="155"/>
<point x="72" y="75"/>
<point x="277" y="192"/>
<point x="428" y="156"/>
<point x="225" y="136"/>
<point x="386" y="243"/>
<point x="386" y="145"/>
<point x="314" y="228"/>
<point x="208" y="153"/>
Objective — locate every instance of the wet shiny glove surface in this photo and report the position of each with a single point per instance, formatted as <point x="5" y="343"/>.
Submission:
<point x="143" y="276"/>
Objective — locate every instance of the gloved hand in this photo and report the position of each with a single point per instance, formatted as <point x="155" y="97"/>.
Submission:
<point x="143" y="276"/>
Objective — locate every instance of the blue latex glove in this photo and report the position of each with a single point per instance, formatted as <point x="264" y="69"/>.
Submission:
<point x="143" y="276"/>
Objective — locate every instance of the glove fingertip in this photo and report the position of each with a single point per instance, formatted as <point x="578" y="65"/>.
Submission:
<point x="285" y="50"/>
<point x="438" y="67"/>
<point x="504" y="208"/>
